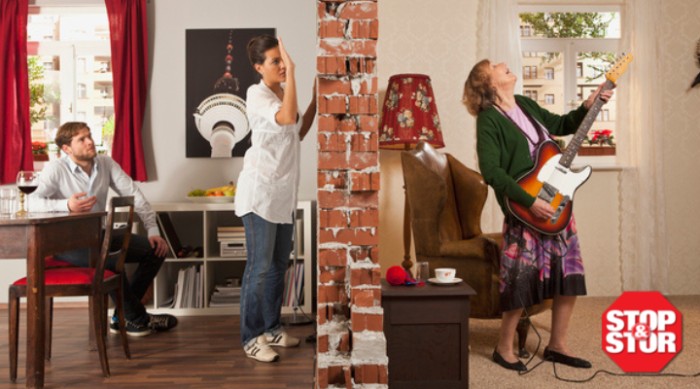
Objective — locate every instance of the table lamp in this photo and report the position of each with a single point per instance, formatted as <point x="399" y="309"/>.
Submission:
<point x="409" y="116"/>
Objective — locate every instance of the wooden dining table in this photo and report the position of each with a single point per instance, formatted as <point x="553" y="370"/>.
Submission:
<point x="32" y="238"/>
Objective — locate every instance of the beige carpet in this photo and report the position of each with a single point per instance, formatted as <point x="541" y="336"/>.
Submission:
<point x="585" y="338"/>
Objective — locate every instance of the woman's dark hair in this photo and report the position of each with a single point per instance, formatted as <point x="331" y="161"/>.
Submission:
<point x="479" y="94"/>
<point x="257" y="47"/>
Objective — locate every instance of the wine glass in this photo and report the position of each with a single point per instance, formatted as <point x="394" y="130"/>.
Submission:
<point x="27" y="182"/>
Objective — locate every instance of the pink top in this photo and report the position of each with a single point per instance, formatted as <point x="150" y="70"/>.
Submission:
<point x="521" y="120"/>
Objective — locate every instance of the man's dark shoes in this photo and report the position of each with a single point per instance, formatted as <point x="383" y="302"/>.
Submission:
<point x="517" y="366"/>
<point x="554" y="356"/>
<point x="162" y="322"/>
<point x="132" y="329"/>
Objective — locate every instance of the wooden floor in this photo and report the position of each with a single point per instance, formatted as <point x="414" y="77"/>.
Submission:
<point x="201" y="352"/>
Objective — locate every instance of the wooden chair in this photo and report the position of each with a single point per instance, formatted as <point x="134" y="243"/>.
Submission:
<point x="96" y="283"/>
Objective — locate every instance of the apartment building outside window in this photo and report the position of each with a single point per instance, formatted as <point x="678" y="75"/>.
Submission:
<point x="69" y="54"/>
<point x="573" y="45"/>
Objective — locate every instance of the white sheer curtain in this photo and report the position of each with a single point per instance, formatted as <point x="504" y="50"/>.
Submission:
<point x="498" y="40"/>
<point x="644" y="256"/>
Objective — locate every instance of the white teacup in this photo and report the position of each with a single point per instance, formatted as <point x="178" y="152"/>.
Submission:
<point x="445" y="274"/>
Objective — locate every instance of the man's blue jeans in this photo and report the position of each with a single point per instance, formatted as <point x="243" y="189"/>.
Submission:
<point x="269" y="245"/>
<point x="140" y="252"/>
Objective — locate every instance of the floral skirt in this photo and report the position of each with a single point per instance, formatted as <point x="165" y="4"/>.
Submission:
<point x="536" y="267"/>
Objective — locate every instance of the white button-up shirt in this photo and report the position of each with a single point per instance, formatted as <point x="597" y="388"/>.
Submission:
<point x="61" y="179"/>
<point x="269" y="181"/>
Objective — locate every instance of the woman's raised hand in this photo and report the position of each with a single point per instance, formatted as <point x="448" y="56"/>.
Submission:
<point x="288" y="63"/>
<point x="604" y="95"/>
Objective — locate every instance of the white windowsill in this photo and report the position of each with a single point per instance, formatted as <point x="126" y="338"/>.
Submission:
<point x="597" y="163"/>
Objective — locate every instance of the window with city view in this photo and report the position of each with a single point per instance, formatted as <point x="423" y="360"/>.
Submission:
<point x="566" y="53"/>
<point x="69" y="72"/>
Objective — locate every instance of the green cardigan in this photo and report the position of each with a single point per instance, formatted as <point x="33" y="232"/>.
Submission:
<point x="503" y="151"/>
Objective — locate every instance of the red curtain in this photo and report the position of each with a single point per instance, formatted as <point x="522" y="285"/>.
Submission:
<point x="15" y="129"/>
<point x="128" y="29"/>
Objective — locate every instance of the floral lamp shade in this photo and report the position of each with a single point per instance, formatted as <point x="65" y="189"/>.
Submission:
<point x="409" y="113"/>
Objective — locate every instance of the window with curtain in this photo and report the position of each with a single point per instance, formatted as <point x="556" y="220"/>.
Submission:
<point x="565" y="55"/>
<point x="70" y="71"/>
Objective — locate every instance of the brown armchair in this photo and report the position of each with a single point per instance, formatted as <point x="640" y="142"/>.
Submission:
<point x="446" y="199"/>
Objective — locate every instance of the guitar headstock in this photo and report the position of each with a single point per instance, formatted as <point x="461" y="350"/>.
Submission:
<point x="619" y="67"/>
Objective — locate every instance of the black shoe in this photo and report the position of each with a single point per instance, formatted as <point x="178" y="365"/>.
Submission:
<point x="554" y="356"/>
<point x="162" y="322"/>
<point x="132" y="329"/>
<point x="517" y="366"/>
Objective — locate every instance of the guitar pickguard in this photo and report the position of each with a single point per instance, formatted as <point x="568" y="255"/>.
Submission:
<point x="558" y="180"/>
<point x="564" y="180"/>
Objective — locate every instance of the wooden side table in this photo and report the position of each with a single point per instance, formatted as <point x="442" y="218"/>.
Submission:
<point x="427" y="335"/>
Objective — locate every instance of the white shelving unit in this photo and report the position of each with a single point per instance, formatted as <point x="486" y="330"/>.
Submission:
<point x="196" y="225"/>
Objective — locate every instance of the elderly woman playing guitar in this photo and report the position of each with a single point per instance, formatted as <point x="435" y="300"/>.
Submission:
<point x="535" y="266"/>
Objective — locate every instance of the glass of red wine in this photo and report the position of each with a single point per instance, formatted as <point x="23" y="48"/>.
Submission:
<point x="27" y="182"/>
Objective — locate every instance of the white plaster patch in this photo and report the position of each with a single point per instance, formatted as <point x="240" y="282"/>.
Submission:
<point x="356" y="83"/>
<point x="325" y="360"/>
<point x="336" y="325"/>
<point x="367" y="310"/>
<point x="364" y="264"/>
<point x="333" y="245"/>
<point x="369" y="348"/>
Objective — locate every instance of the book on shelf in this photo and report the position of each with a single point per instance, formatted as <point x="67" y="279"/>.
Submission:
<point x="227" y="290"/>
<point x="294" y="285"/>
<point x="299" y="285"/>
<point x="224" y="301"/>
<point x="225" y="296"/>
<point x="167" y="229"/>
<point x="188" y="289"/>
<point x="230" y="232"/>
<point x="230" y="229"/>
<point x="227" y="236"/>
<point x="200" y="288"/>
<point x="179" y="289"/>
<point x="299" y="236"/>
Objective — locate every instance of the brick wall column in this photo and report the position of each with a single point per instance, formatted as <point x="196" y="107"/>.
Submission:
<point x="351" y="348"/>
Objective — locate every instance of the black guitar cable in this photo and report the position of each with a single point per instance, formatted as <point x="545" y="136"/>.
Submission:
<point x="599" y="371"/>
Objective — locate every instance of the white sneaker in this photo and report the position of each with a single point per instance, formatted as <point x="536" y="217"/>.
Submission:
<point x="261" y="351"/>
<point x="282" y="340"/>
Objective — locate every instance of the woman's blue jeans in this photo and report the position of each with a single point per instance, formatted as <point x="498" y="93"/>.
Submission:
<point x="269" y="246"/>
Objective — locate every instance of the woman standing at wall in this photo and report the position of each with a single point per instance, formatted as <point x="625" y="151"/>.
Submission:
<point x="266" y="195"/>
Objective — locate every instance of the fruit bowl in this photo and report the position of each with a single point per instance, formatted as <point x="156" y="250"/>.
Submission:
<point x="210" y="199"/>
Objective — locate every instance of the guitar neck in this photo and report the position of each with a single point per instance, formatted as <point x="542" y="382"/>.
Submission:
<point x="583" y="128"/>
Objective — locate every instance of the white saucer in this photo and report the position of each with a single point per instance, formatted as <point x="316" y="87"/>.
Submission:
<point x="438" y="282"/>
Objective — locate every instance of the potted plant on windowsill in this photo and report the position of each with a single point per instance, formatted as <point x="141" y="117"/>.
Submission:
<point x="600" y="142"/>
<point x="40" y="151"/>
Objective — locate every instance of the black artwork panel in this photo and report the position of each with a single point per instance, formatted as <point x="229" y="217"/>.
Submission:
<point x="205" y="64"/>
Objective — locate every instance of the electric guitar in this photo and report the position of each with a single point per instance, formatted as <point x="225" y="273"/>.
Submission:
<point x="551" y="179"/>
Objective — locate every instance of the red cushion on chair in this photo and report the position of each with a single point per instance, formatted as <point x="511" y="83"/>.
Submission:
<point x="68" y="276"/>
<point x="52" y="262"/>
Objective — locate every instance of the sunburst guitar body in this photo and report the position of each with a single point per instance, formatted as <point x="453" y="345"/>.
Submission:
<point x="549" y="181"/>
<point x="552" y="179"/>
